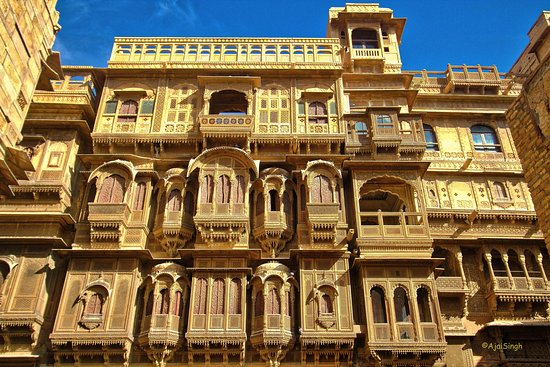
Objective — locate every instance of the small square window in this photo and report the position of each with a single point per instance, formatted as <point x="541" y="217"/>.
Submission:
<point x="147" y="107"/>
<point x="110" y="107"/>
<point x="55" y="159"/>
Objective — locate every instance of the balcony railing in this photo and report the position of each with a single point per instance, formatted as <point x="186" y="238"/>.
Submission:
<point x="393" y="225"/>
<point x="520" y="284"/>
<point x="181" y="51"/>
<point x="108" y="212"/>
<point x="367" y="53"/>
<point x="447" y="284"/>
<point x="226" y="124"/>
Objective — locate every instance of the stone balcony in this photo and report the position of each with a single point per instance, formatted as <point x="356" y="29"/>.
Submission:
<point x="366" y="54"/>
<point x="108" y="223"/>
<point x="450" y="285"/>
<point x="228" y="53"/>
<point x="390" y="225"/>
<point x="518" y="297"/>
<point x="161" y="329"/>
<point x="323" y="219"/>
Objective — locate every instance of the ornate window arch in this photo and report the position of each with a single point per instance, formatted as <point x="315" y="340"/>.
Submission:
<point x="401" y="305"/>
<point x="424" y="304"/>
<point x="174" y="201"/>
<point x="378" y="302"/>
<point x="317" y="113"/>
<point x="112" y="190"/>
<point x="93" y="301"/>
<point x="485" y="139"/>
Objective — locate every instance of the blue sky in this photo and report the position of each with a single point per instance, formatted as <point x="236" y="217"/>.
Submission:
<point x="438" y="32"/>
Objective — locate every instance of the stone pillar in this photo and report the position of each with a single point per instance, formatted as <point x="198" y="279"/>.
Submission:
<point x="508" y="272"/>
<point x="525" y="271"/>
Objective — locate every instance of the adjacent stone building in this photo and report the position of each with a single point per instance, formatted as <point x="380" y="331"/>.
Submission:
<point x="529" y="117"/>
<point x="280" y="202"/>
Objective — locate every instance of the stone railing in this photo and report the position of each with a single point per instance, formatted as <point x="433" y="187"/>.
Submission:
<point x="367" y="53"/>
<point x="177" y="52"/>
<point x="450" y="284"/>
<point x="226" y="124"/>
<point x="393" y="225"/>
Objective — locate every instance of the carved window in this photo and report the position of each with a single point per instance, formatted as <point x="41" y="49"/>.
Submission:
<point x="497" y="264"/>
<point x="500" y="191"/>
<point x="378" y="305"/>
<point x="401" y="305"/>
<point x="317" y="113"/>
<point x="424" y="308"/>
<point x="189" y="203"/>
<point x="260" y="205"/>
<point x="180" y="111"/>
<point x="163" y="304"/>
<point x="235" y="297"/>
<point x="259" y="304"/>
<point x="274" y="106"/>
<point x="218" y="297"/>
<point x="321" y="190"/>
<point x="361" y="128"/>
<point x="174" y="201"/>
<point x="112" y="190"/>
<point x="177" y="306"/>
<point x="431" y="139"/>
<point x="485" y="139"/>
<point x="207" y="189"/>
<point x="128" y="111"/>
<point x="223" y="189"/>
<point x="238" y="190"/>
<point x="94" y="305"/>
<point x="364" y="39"/>
<point x="200" y="296"/>
<point x="384" y="122"/>
<point x="273" y="302"/>
<point x="274" y="202"/>
<point x="326" y="306"/>
<point x="149" y="305"/>
<point x="139" y="199"/>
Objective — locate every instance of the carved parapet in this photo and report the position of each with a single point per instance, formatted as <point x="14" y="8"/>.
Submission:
<point x="221" y="230"/>
<point x="108" y="222"/>
<point x="272" y="231"/>
<point x="323" y="220"/>
<point x="174" y="234"/>
<point x="226" y="125"/>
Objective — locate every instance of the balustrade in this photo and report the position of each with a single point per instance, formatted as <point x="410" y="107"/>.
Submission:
<point x="393" y="224"/>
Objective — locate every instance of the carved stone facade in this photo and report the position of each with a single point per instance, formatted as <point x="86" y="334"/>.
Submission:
<point x="279" y="202"/>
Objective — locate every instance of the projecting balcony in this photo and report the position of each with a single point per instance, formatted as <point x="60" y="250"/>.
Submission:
<point x="367" y="53"/>
<point x="393" y="225"/>
<point x="231" y="53"/>
<point x="108" y="222"/>
<point x="226" y="125"/>
<point x="161" y="329"/>
<point x="323" y="221"/>
<point x="273" y="230"/>
<point x="222" y="223"/>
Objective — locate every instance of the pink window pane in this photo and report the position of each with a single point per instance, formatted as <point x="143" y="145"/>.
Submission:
<point x="94" y="304"/>
<point x="223" y="189"/>
<point x="326" y="304"/>
<point x="273" y="302"/>
<point x="218" y="295"/>
<point x="235" y="297"/>
<point x="174" y="201"/>
<point x="200" y="297"/>
<point x="207" y="189"/>
<point x="326" y="189"/>
<point x="177" y="305"/>
<point x="163" y="305"/>
<point x="112" y="190"/>
<point x="139" y="200"/>
<point x="128" y="107"/>
<point x="238" y="190"/>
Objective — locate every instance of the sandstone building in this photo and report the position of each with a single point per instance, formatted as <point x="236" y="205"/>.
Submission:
<point x="292" y="202"/>
<point x="529" y="117"/>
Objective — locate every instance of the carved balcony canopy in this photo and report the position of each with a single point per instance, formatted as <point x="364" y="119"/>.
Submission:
<point x="232" y="53"/>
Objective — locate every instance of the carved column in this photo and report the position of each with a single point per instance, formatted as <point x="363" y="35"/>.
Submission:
<point x="415" y="316"/>
<point x="541" y="267"/>
<point x="392" y="318"/>
<point x="525" y="271"/>
<point x="488" y="258"/>
<point x="508" y="272"/>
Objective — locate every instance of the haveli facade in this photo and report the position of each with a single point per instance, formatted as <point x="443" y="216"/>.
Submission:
<point x="281" y="202"/>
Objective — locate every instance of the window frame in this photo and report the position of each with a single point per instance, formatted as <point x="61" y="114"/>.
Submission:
<point x="485" y="146"/>
<point x="316" y="118"/>
<point x="431" y="145"/>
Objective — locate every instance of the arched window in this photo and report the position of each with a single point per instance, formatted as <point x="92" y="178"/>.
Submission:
<point x="235" y="297"/>
<point x="497" y="264"/>
<point x="189" y="203"/>
<point x="500" y="191"/>
<point x="200" y="297"/>
<point x="378" y="305"/>
<point x="513" y="263"/>
<point x="177" y="306"/>
<point x="238" y="188"/>
<point x="326" y="305"/>
<point x="207" y="189"/>
<point x="174" y="201"/>
<point x="259" y="304"/>
<point x="223" y="189"/>
<point x="401" y="303"/>
<point x="149" y="305"/>
<point x="260" y="205"/>
<point x="128" y="111"/>
<point x="485" y="139"/>
<point x="424" y="307"/>
<point x="139" y="199"/>
<point x="274" y="202"/>
<point x="429" y="136"/>
<point x="163" y="305"/>
<point x="218" y="296"/>
<point x="321" y="190"/>
<point x="273" y="302"/>
<point x="317" y="113"/>
<point x="364" y="38"/>
<point x="361" y="128"/>
<point x="112" y="190"/>
<point x="384" y="122"/>
<point x="93" y="304"/>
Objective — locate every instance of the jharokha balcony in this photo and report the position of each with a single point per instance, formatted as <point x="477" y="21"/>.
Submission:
<point x="230" y="53"/>
<point x="226" y="124"/>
